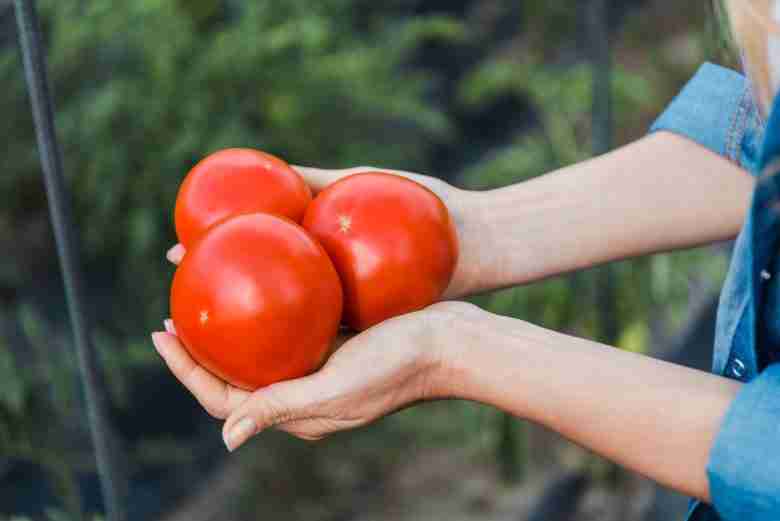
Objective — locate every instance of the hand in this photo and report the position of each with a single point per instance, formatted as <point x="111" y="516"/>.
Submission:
<point x="380" y="371"/>
<point x="467" y="277"/>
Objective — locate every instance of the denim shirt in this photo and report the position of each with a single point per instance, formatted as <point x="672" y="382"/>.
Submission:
<point x="716" y="110"/>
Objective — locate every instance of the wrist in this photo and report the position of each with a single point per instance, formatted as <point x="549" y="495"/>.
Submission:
<point x="467" y="210"/>
<point x="459" y="331"/>
<point x="505" y="237"/>
<point x="483" y="356"/>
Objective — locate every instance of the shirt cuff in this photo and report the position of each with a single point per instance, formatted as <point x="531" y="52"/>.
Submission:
<point x="716" y="110"/>
<point x="744" y="466"/>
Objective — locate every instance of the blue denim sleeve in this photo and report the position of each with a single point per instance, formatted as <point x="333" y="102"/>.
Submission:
<point x="744" y="466"/>
<point x="716" y="110"/>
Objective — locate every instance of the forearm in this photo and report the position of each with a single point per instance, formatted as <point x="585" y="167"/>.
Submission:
<point x="658" y="194"/>
<point x="653" y="417"/>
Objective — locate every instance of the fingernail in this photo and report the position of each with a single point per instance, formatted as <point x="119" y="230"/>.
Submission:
<point x="158" y="343"/>
<point x="168" y="323"/>
<point x="175" y="254"/>
<point x="239" y="433"/>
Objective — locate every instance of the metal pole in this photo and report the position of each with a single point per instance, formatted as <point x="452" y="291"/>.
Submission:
<point x="601" y="63"/>
<point x="602" y="128"/>
<point x="64" y="232"/>
<point x="597" y="34"/>
<point x="598" y="38"/>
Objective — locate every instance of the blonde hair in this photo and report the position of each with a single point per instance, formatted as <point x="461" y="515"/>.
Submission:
<point x="751" y="22"/>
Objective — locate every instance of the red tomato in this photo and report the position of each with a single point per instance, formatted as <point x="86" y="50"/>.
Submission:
<point x="237" y="181"/>
<point x="392" y="242"/>
<point x="256" y="300"/>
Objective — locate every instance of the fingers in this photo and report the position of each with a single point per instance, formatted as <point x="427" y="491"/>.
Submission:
<point x="216" y="396"/>
<point x="290" y="401"/>
<point x="169" y="327"/>
<point x="175" y="254"/>
<point x="319" y="178"/>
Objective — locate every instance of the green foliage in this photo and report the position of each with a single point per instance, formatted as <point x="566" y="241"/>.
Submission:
<point x="563" y="98"/>
<point x="136" y="108"/>
<point x="11" y="387"/>
<point x="53" y="514"/>
<point x="145" y="88"/>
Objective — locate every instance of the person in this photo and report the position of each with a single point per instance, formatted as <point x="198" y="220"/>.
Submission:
<point x="712" y="436"/>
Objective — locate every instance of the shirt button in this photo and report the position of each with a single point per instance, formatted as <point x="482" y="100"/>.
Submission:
<point x="765" y="275"/>
<point x="738" y="368"/>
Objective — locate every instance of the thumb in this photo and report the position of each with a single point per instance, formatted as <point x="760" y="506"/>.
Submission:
<point x="270" y="406"/>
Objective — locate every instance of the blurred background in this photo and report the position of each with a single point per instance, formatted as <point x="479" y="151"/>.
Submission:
<point x="481" y="93"/>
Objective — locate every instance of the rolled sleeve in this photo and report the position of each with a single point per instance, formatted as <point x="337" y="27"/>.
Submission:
<point x="744" y="466"/>
<point x="716" y="110"/>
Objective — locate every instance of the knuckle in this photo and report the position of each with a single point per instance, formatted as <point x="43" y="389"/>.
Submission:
<point x="215" y="411"/>
<point x="310" y="429"/>
<point x="191" y="375"/>
<point x="272" y="409"/>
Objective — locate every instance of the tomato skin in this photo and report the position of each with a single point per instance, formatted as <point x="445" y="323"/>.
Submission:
<point x="237" y="181"/>
<point x="392" y="241"/>
<point x="256" y="300"/>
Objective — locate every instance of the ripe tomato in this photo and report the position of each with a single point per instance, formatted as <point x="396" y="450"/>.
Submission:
<point x="392" y="242"/>
<point x="237" y="181"/>
<point x="256" y="300"/>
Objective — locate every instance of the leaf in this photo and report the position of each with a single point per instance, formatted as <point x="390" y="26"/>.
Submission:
<point x="12" y="386"/>
<point x="54" y="514"/>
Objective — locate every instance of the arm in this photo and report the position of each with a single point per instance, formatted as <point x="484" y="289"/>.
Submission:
<point x="661" y="193"/>
<point x="703" y="435"/>
<point x="656" y="418"/>
<point x="653" y="417"/>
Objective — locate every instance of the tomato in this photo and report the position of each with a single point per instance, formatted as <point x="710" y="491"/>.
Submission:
<point x="392" y="241"/>
<point x="256" y="300"/>
<point x="237" y="181"/>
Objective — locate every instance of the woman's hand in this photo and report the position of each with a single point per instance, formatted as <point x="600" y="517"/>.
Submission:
<point x="467" y="277"/>
<point x="380" y="371"/>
